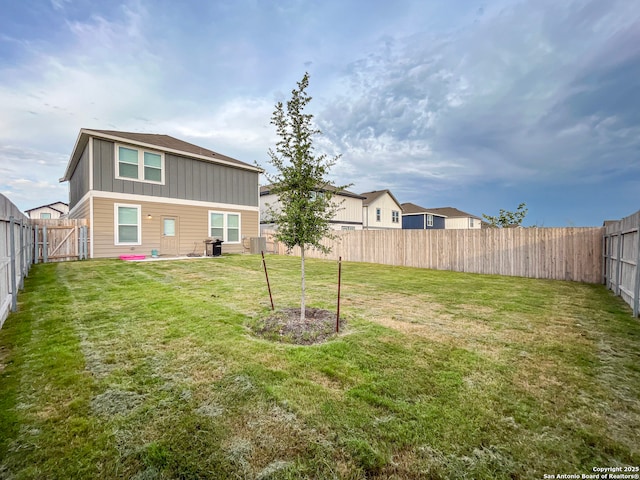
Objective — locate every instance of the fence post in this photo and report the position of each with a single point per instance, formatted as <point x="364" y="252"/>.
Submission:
<point x="81" y="243"/>
<point x="12" y="246"/>
<point x="604" y="258"/>
<point x="636" y="290"/>
<point x="85" y="238"/>
<point x="22" y="269"/>
<point x="36" y="245"/>
<point x="619" y="264"/>
<point x="45" y="245"/>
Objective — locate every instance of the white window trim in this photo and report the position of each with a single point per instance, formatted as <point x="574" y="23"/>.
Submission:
<point x="471" y="222"/>
<point x="429" y="220"/>
<point x="141" y="151"/>
<point x="395" y="216"/>
<point x="378" y="214"/>
<point x="225" y="226"/>
<point x="116" y="240"/>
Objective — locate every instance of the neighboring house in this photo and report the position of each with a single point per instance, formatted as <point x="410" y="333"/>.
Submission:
<point x="348" y="217"/>
<point x="380" y="211"/>
<point x="50" y="211"/>
<point x="142" y="192"/>
<point x="415" y="217"/>
<point x="457" y="219"/>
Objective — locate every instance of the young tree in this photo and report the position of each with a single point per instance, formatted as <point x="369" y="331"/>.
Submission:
<point x="508" y="219"/>
<point x="306" y="203"/>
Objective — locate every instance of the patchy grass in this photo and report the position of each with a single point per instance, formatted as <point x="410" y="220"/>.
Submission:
<point x="148" y="370"/>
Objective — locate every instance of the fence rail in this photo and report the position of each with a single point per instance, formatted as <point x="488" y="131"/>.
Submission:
<point x="621" y="252"/>
<point x="553" y="253"/>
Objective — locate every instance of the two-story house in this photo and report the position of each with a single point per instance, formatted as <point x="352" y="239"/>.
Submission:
<point x="49" y="211"/>
<point x="348" y="216"/>
<point x="380" y="211"/>
<point x="415" y="217"/>
<point x="457" y="219"/>
<point x="142" y="192"/>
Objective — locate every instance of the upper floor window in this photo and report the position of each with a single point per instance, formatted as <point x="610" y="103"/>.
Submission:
<point x="378" y="214"/>
<point x="429" y="220"/>
<point x="395" y="216"/>
<point x="139" y="164"/>
<point x="471" y="222"/>
<point x="45" y="215"/>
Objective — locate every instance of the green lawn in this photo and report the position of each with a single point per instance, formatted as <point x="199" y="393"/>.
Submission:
<point x="114" y="369"/>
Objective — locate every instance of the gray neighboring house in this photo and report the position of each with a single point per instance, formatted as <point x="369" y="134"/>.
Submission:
<point x="141" y="192"/>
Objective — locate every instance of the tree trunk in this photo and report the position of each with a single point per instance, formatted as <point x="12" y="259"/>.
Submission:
<point x="302" y="306"/>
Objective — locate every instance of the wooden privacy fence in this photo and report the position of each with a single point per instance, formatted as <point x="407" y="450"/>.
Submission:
<point x="24" y="241"/>
<point x="553" y="253"/>
<point x="60" y="240"/>
<point x="621" y="251"/>
<point x="16" y="249"/>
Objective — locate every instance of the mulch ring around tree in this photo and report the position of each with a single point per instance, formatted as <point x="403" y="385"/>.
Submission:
<point x="285" y="326"/>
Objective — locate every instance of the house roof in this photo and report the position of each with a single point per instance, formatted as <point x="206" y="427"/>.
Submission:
<point x="151" y="140"/>
<point x="50" y="205"/>
<point x="266" y="190"/>
<point x="412" y="208"/>
<point x="452" y="212"/>
<point x="370" y="197"/>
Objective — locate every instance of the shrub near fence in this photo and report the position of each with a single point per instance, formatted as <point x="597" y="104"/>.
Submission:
<point x="15" y="254"/>
<point x="553" y="253"/>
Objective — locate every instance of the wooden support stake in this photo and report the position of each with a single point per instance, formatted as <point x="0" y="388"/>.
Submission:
<point x="264" y="264"/>
<point x="339" y="283"/>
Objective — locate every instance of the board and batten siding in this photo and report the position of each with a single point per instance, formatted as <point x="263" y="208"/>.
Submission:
<point x="79" y="182"/>
<point x="419" y="221"/>
<point x="185" y="178"/>
<point x="461" y="223"/>
<point x="349" y="213"/>
<point x="192" y="227"/>
<point x="386" y="205"/>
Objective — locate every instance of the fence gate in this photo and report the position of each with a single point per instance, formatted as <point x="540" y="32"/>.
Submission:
<point x="60" y="240"/>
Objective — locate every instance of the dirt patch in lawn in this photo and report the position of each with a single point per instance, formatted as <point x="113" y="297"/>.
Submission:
<point x="285" y="326"/>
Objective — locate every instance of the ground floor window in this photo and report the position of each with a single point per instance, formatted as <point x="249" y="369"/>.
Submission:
<point x="127" y="224"/>
<point x="225" y="226"/>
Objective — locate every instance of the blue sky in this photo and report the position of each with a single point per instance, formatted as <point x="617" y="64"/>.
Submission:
<point x="471" y="104"/>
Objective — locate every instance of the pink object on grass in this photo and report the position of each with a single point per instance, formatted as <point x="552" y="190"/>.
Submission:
<point x="132" y="257"/>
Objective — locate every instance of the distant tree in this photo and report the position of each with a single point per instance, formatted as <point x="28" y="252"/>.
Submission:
<point x="305" y="195"/>
<point x="508" y="219"/>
